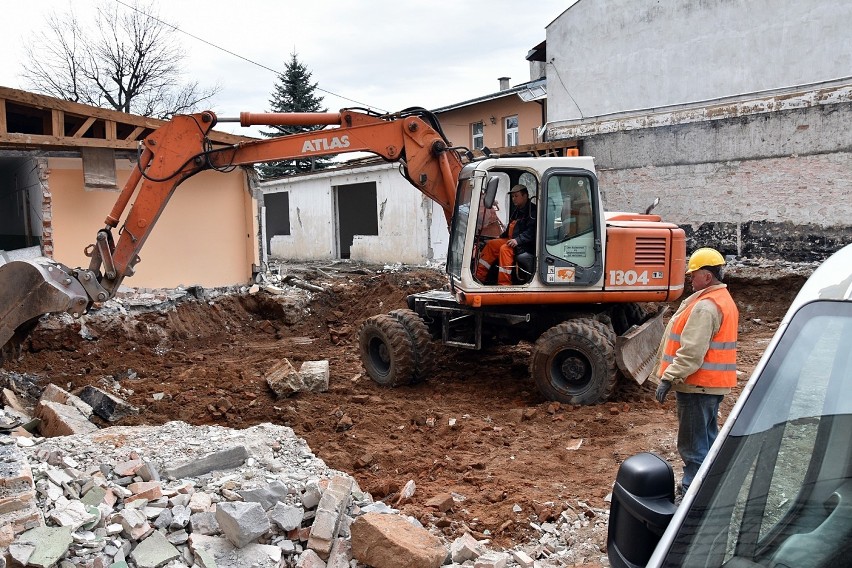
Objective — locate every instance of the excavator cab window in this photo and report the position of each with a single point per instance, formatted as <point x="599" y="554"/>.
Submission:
<point x="466" y="189"/>
<point x="570" y="232"/>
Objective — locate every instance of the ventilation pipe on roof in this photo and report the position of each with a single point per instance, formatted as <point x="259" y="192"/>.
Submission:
<point x="504" y="83"/>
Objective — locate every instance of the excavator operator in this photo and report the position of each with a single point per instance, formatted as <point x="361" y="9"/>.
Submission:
<point x="518" y="237"/>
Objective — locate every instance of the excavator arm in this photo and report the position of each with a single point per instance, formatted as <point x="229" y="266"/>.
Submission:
<point x="180" y="149"/>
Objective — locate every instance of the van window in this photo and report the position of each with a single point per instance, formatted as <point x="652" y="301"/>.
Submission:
<point x="780" y="491"/>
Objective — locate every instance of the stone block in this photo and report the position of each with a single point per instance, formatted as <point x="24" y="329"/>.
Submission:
<point x="149" y="490"/>
<point x="492" y="560"/>
<point x="389" y="541"/>
<point x="331" y="507"/>
<point x="53" y="393"/>
<point x="315" y="375"/>
<point x="242" y="523"/>
<point x="288" y="517"/>
<point x="284" y="379"/>
<point x="267" y="496"/>
<point x="227" y="556"/>
<point x="465" y="548"/>
<point x="310" y="559"/>
<point x="62" y="420"/>
<point x="442" y="502"/>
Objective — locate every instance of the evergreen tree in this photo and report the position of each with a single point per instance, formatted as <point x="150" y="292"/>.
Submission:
<point x="294" y="92"/>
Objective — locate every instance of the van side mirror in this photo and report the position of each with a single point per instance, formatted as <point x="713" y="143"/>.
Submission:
<point x="490" y="192"/>
<point x="642" y="507"/>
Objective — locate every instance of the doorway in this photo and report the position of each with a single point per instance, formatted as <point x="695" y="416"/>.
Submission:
<point x="20" y="203"/>
<point x="356" y="213"/>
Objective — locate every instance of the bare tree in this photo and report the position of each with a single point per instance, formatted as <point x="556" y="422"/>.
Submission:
<point x="126" y="59"/>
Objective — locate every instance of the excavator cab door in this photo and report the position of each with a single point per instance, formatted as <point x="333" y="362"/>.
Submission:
<point x="571" y="234"/>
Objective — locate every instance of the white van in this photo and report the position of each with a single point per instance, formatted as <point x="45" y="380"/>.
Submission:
<point x="776" y="488"/>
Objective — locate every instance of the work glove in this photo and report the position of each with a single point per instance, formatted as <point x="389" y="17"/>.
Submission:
<point x="662" y="391"/>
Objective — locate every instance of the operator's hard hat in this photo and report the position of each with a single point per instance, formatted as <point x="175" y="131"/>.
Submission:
<point x="704" y="257"/>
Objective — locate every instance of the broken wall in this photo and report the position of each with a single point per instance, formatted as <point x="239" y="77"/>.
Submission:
<point x="206" y="235"/>
<point x="773" y="185"/>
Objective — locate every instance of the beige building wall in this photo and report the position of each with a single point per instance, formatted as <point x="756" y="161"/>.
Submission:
<point x="206" y="235"/>
<point x="458" y="123"/>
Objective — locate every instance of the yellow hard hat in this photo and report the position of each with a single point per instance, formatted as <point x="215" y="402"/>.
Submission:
<point x="704" y="257"/>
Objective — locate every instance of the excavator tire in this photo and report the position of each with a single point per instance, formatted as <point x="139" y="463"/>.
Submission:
<point x="574" y="362"/>
<point x="421" y="343"/>
<point x="386" y="350"/>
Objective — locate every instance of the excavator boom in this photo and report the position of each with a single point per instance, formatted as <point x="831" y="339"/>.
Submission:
<point x="181" y="149"/>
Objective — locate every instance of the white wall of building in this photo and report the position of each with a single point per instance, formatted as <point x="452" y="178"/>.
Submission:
<point x="624" y="55"/>
<point x="412" y="228"/>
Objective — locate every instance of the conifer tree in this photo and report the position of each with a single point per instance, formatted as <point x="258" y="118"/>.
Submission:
<point x="294" y="92"/>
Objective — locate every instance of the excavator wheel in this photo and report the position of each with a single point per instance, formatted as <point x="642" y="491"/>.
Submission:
<point x="574" y="362"/>
<point x="386" y="350"/>
<point x="421" y="342"/>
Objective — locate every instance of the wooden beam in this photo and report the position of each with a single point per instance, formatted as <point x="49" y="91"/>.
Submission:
<point x="84" y="128"/>
<point x="44" y="102"/>
<point x="16" y="140"/>
<point x="57" y="120"/>
<point x="110" y="130"/>
<point x="2" y="117"/>
<point x="135" y="134"/>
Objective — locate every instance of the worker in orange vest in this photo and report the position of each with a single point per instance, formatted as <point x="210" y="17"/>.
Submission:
<point x="698" y="359"/>
<point x="518" y="237"/>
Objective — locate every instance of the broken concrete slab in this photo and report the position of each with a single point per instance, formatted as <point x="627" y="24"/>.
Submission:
<point x="106" y="406"/>
<point x="217" y="461"/>
<point x="154" y="551"/>
<point x="41" y="546"/>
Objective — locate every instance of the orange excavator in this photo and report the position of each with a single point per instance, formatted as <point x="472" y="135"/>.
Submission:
<point x="581" y="298"/>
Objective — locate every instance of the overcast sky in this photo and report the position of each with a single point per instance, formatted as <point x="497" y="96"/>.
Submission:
<point x="387" y="54"/>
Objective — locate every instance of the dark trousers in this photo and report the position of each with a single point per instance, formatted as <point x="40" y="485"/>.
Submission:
<point x="697" y="430"/>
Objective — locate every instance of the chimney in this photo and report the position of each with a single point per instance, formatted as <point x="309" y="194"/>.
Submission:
<point x="504" y="83"/>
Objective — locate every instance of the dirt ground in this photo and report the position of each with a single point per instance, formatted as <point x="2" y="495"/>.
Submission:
<point x="507" y="447"/>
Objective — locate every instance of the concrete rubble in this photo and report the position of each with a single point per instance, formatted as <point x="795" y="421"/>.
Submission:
<point x="184" y="496"/>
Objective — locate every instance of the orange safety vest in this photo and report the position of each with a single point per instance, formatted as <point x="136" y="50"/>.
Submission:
<point x="719" y="368"/>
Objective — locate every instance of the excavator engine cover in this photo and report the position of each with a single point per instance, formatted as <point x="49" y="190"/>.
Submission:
<point x="32" y="288"/>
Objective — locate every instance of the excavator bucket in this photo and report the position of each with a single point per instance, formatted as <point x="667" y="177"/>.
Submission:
<point x="636" y="350"/>
<point x="34" y="287"/>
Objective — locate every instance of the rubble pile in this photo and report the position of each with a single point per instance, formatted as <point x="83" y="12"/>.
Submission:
<point x="178" y="495"/>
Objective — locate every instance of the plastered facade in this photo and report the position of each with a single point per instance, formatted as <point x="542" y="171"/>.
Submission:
<point x="411" y="228"/>
<point x="206" y="235"/>
<point x="458" y="123"/>
<point x="626" y="55"/>
<point x="753" y="156"/>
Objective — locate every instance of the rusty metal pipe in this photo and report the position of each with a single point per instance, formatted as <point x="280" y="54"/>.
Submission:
<point x="286" y="118"/>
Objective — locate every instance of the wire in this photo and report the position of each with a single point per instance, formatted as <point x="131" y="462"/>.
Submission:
<point x="237" y="55"/>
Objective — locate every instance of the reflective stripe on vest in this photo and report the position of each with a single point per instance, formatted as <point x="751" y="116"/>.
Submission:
<point x="719" y="368"/>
